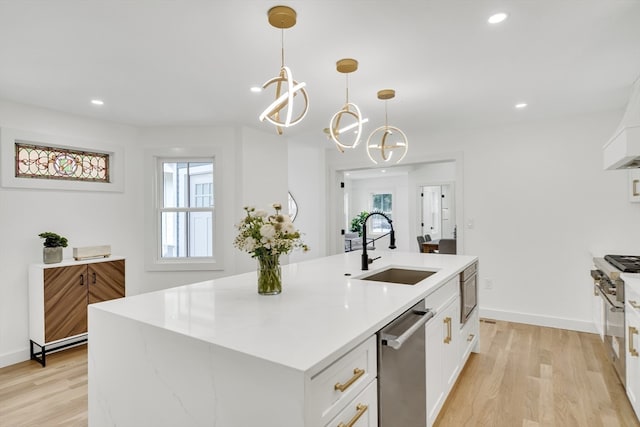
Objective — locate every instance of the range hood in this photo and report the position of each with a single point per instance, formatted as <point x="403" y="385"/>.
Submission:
<point x="623" y="149"/>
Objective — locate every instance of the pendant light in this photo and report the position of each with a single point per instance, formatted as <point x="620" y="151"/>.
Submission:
<point x="284" y="17"/>
<point x="385" y="149"/>
<point x="346" y="66"/>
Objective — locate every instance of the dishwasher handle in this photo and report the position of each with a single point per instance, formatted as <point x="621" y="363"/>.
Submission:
<point x="395" y="342"/>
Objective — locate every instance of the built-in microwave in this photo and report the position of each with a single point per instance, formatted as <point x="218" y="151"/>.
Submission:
<point x="468" y="291"/>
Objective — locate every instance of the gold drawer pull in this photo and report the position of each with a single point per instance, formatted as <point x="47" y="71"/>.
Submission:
<point x="632" y="331"/>
<point x="357" y="373"/>
<point x="361" y="410"/>
<point x="447" y="321"/>
<point x="635" y="187"/>
<point x="634" y="304"/>
<point x="470" y="337"/>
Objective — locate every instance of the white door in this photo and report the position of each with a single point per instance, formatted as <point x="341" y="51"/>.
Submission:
<point x="431" y="211"/>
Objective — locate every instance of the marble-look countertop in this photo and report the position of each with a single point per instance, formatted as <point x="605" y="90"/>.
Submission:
<point x="322" y="311"/>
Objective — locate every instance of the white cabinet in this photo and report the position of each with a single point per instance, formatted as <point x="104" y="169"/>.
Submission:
<point x="469" y="336"/>
<point x="632" y="345"/>
<point x="335" y="391"/>
<point x="362" y="411"/>
<point x="634" y="185"/>
<point x="442" y="346"/>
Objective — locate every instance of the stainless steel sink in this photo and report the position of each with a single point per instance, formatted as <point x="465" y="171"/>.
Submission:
<point x="401" y="276"/>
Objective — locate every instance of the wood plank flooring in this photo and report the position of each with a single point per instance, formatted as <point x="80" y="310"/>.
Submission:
<point x="524" y="375"/>
<point x="532" y="376"/>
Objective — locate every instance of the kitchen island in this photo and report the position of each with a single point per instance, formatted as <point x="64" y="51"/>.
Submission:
<point x="217" y="353"/>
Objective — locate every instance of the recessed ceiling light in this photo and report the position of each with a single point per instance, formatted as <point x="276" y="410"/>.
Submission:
<point x="497" y="18"/>
<point x="383" y="171"/>
<point x="97" y="102"/>
<point x="256" y="89"/>
<point x="521" y="105"/>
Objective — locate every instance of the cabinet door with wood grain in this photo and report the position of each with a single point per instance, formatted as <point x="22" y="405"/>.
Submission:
<point x="65" y="302"/>
<point x="106" y="281"/>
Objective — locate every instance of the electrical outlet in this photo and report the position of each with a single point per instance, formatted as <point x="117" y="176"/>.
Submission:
<point x="488" y="284"/>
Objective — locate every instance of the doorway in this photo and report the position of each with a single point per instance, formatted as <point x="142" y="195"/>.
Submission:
<point x="437" y="215"/>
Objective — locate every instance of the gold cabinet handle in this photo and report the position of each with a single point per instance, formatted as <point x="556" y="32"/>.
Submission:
<point x="357" y="373"/>
<point x="634" y="304"/>
<point x="361" y="410"/>
<point x="635" y="187"/>
<point x="470" y="337"/>
<point x="447" y="321"/>
<point x="632" y="331"/>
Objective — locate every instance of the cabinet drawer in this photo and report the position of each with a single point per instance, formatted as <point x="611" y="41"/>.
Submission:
<point x="441" y="296"/>
<point x="632" y="299"/>
<point x="362" y="411"/>
<point x="469" y="335"/>
<point x="331" y="389"/>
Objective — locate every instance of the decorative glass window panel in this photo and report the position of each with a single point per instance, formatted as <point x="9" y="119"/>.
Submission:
<point x="39" y="161"/>
<point x="382" y="202"/>
<point x="187" y="209"/>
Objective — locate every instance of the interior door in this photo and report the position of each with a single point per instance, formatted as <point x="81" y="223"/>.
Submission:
<point x="432" y="211"/>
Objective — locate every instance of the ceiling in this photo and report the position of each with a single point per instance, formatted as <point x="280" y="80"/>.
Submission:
<point x="161" y="62"/>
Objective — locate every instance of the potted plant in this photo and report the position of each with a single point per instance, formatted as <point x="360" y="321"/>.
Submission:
<point x="53" y="244"/>
<point x="356" y="223"/>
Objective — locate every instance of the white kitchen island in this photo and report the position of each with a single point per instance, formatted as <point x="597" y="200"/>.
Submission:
<point x="217" y="353"/>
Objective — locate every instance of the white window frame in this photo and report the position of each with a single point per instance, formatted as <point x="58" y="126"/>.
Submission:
<point x="153" y="203"/>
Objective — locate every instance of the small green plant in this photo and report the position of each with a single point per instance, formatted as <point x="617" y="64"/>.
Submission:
<point x="53" y="240"/>
<point x="356" y="223"/>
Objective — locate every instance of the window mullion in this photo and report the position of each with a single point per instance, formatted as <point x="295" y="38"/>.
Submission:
<point x="187" y="215"/>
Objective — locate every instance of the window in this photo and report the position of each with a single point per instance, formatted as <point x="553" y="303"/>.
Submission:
<point x="186" y="209"/>
<point x="381" y="202"/>
<point x="39" y="161"/>
<point x="183" y="209"/>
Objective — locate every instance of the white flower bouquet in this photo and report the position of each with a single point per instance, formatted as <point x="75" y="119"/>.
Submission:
<point x="266" y="237"/>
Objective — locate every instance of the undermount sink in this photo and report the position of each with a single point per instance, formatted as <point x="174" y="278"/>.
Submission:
<point x="401" y="276"/>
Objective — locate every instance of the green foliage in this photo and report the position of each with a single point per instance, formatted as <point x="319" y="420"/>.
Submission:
<point x="53" y="240"/>
<point x="356" y="223"/>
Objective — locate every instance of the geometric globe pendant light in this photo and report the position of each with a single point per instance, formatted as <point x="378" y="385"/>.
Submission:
<point x="280" y="112"/>
<point x="338" y="130"/>
<point x="393" y="143"/>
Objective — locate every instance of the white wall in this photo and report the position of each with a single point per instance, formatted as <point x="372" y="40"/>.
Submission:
<point x="540" y="204"/>
<point x="85" y="218"/>
<point x="255" y="172"/>
<point x="307" y="185"/>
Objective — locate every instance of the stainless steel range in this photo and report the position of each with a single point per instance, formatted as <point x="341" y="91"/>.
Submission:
<point x="610" y="286"/>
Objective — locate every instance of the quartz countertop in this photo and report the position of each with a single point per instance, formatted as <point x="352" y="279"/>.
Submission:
<point x="323" y="309"/>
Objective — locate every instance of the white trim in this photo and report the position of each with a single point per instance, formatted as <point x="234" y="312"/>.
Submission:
<point x="534" y="319"/>
<point x="8" y="359"/>
<point x="7" y="162"/>
<point x="153" y="262"/>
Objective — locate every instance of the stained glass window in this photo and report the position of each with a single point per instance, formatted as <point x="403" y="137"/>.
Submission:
<point x="38" y="161"/>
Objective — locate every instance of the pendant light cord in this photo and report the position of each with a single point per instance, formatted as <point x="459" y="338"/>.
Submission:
<point x="282" y="46"/>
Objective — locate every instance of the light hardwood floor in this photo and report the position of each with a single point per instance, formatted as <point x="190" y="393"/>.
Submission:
<point x="533" y="376"/>
<point x="523" y="376"/>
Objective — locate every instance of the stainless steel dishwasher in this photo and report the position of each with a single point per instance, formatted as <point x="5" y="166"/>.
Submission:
<point x="402" y="392"/>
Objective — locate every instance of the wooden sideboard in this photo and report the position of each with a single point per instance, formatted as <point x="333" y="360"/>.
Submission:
<point x="58" y="298"/>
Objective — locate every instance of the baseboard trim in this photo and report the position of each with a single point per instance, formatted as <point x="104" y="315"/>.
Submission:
<point x="534" y="319"/>
<point x="12" y="358"/>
